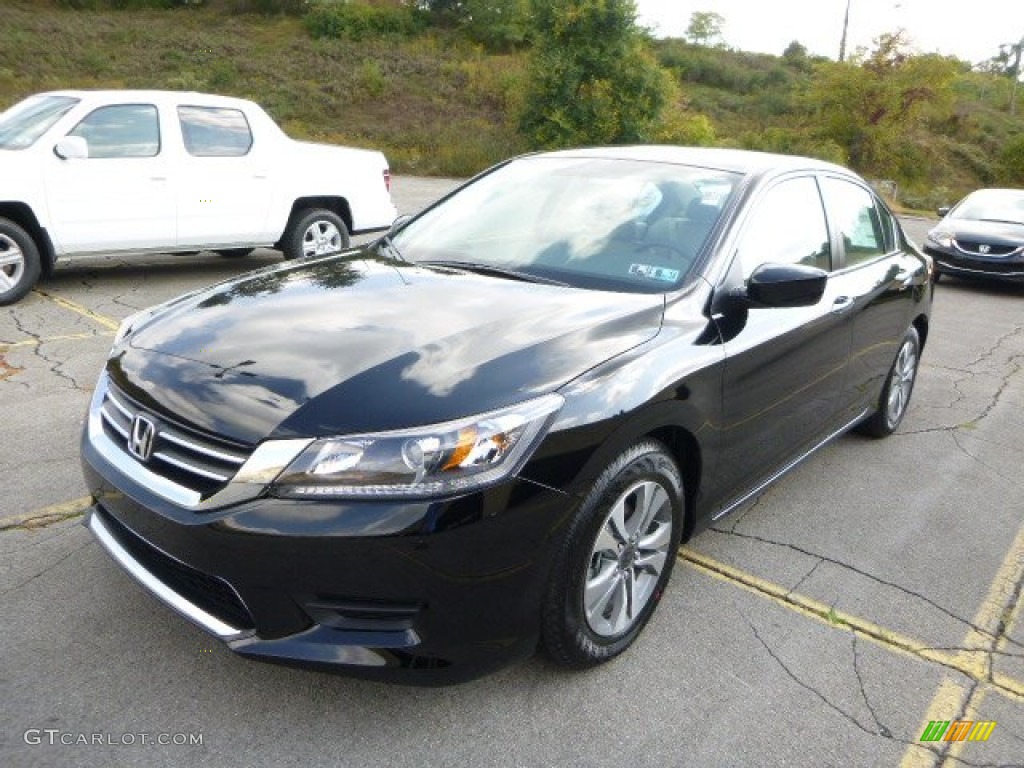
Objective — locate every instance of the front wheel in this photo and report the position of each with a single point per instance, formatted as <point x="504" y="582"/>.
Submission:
<point x="899" y="384"/>
<point x="616" y="558"/>
<point x="314" y="232"/>
<point x="19" y="262"/>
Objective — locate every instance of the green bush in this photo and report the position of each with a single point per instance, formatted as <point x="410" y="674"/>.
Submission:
<point x="360" y="22"/>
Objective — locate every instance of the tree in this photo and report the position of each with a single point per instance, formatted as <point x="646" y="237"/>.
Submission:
<point x="868" y="106"/>
<point x="705" y="28"/>
<point x="592" y="79"/>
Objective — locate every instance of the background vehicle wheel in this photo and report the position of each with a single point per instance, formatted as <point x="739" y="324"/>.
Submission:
<point x="899" y="384"/>
<point x="234" y="253"/>
<point x="19" y="262"/>
<point x="616" y="559"/>
<point x="316" y="232"/>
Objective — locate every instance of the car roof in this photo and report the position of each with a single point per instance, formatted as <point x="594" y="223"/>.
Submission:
<point x="125" y="96"/>
<point x="735" y="160"/>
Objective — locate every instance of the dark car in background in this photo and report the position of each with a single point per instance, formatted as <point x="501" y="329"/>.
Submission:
<point x="981" y="236"/>
<point x="492" y="427"/>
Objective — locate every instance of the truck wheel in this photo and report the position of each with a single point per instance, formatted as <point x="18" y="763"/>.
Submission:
<point x="19" y="262"/>
<point x="314" y="232"/>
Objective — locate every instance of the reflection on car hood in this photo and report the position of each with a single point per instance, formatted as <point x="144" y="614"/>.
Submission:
<point x="996" y="233"/>
<point x="341" y="346"/>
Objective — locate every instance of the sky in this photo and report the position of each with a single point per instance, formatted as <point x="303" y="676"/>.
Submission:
<point x="971" y="30"/>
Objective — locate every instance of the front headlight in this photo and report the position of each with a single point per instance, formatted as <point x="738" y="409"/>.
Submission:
<point x="438" y="460"/>
<point x="941" y="237"/>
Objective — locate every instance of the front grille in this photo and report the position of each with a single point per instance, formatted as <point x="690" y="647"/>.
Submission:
<point x="977" y="248"/>
<point x="210" y="593"/>
<point x="192" y="459"/>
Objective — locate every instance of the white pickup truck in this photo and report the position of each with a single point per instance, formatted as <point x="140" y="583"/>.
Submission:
<point x="159" y="171"/>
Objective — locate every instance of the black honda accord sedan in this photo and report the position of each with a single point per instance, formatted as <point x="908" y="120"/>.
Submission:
<point x="491" y="428"/>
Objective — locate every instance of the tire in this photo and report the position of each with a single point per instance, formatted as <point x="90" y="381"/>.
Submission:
<point x="899" y="385"/>
<point x="588" y="617"/>
<point x="314" y="232"/>
<point x="235" y="253"/>
<point x="19" y="262"/>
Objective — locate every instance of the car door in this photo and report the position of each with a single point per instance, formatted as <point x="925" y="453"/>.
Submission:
<point x="879" y="280"/>
<point x="223" y="184"/>
<point x="784" y="366"/>
<point x="119" y="197"/>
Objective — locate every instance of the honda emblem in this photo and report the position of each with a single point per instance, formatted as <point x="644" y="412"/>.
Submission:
<point x="140" y="441"/>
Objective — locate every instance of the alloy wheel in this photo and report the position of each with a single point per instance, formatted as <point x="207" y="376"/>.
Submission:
<point x="627" y="558"/>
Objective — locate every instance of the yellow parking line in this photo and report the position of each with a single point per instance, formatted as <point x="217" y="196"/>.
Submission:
<point x="6" y="345"/>
<point x="964" y="661"/>
<point x="993" y="621"/>
<point x="47" y="515"/>
<point x="103" y="320"/>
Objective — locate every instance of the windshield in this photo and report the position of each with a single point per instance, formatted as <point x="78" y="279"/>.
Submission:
<point x="1006" y="205"/>
<point x="590" y="223"/>
<point x="27" y="120"/>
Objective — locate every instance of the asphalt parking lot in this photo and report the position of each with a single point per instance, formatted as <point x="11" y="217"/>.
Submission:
<point x="873" y="590"/>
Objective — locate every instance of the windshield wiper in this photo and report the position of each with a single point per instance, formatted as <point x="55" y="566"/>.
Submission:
<point x="490" y="269"/>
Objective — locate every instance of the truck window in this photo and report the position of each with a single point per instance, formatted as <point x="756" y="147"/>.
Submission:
<point x="214" y="131"/>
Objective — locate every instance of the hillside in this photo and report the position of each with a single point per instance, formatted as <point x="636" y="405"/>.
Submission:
<point x="438" y="104"/>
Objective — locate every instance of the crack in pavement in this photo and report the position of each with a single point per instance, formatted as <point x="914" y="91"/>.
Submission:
<point x="881" y="731"/>
<point x="840" y="564"/>
<point x="88" y="542"/>
<point x="55" y="366"/>
<point x="753" y="505"/>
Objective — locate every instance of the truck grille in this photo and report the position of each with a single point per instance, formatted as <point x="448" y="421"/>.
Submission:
<point x="197" y="461"/>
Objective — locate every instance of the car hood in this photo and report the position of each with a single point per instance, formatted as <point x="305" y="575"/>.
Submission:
<point x="994" y="233"/>
<point x="348" y="345"/>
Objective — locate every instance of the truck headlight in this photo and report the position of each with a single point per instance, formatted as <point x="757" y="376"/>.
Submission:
<point x="424" y="462"/>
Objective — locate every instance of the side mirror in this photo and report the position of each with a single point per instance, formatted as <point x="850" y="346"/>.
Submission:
<point x="786" y="285"/>
<point x="942" y="210"/>
<point x="400" y="222"/>
<point x="72" y="148"/>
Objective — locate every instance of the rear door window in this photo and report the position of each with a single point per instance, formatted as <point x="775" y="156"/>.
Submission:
<point x="215" y="131"/>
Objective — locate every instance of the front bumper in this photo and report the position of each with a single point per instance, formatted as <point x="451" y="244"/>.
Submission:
<point x="968" y="265"/>
<point x="420" y="593"/>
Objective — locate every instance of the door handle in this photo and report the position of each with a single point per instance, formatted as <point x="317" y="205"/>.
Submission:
<point x="158" y="178"/>
<point x="905" y="279"/>
<point x="841" y="304"/>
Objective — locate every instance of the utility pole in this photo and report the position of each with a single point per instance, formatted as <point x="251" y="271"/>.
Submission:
<point x="1015" y="74"/>
<point x="842" y="41"/>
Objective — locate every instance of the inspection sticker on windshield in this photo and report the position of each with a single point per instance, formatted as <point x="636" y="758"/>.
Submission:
<point x="654" y="273"/>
